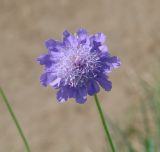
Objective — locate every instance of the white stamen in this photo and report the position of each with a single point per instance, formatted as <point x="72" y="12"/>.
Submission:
<point x="55" y="82"/>
<point x="74" y="65"/>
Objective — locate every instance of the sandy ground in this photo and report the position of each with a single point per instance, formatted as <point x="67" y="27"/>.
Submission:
<point x="133" y="34"/>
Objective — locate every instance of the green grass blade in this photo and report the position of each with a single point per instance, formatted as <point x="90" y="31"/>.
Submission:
<point x="6" y="102"/>
<point x="149" y="145"/>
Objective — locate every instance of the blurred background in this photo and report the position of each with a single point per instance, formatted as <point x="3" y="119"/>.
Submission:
<point x="132" y="28"/>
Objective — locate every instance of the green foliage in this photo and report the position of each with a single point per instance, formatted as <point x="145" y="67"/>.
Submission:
<point x="148" y="136"/>
<point x="149" y="145"/>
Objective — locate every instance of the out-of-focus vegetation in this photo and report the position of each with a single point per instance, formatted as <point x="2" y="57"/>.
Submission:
<point x="143" y="133"/>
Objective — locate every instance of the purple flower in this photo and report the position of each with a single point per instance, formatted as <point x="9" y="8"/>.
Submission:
<point x="77" y="65"/>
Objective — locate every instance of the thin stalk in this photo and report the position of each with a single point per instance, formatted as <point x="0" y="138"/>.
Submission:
<point x="27" y="147"/>
<point x="104" y="123"/>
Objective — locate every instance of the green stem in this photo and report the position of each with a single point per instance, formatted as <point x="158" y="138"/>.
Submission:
<point x="15" y="120"/>
<point x="108" y="136"/>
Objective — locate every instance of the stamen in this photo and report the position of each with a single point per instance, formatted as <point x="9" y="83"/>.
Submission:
<point x="75" y="66"/>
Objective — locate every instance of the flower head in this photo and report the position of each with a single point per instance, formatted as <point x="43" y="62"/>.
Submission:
<point x="77" y="65"/>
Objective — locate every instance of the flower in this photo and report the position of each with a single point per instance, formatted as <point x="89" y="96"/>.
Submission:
<point x="77" y="65"/>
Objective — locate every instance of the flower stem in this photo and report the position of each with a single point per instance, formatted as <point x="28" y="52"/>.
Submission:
<point x="15" y="120"/>
<point x="108" y="136"/>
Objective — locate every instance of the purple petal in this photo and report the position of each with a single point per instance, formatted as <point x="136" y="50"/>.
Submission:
<point x="55" y="83"/>
<point x="44" y="59"/>
<point x="62" y="95"/>
<point x="70" y="41"/>
<point x="92" y="87"/>
<point x="81" y="95"/>
<point x="72" y="91"/>
<point x="66" y="33"/>
<point x="103" y="48"/>
<point x="105" y="84"/>
<point x="51" y="45"/>
<point x="104" y="56"/>
<point x="100" y="37"/>
<point x="46" y="78"/>
<point x="66" y="92"/>
<point x="82" y="34"/>
<point x="114" y="61"/>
